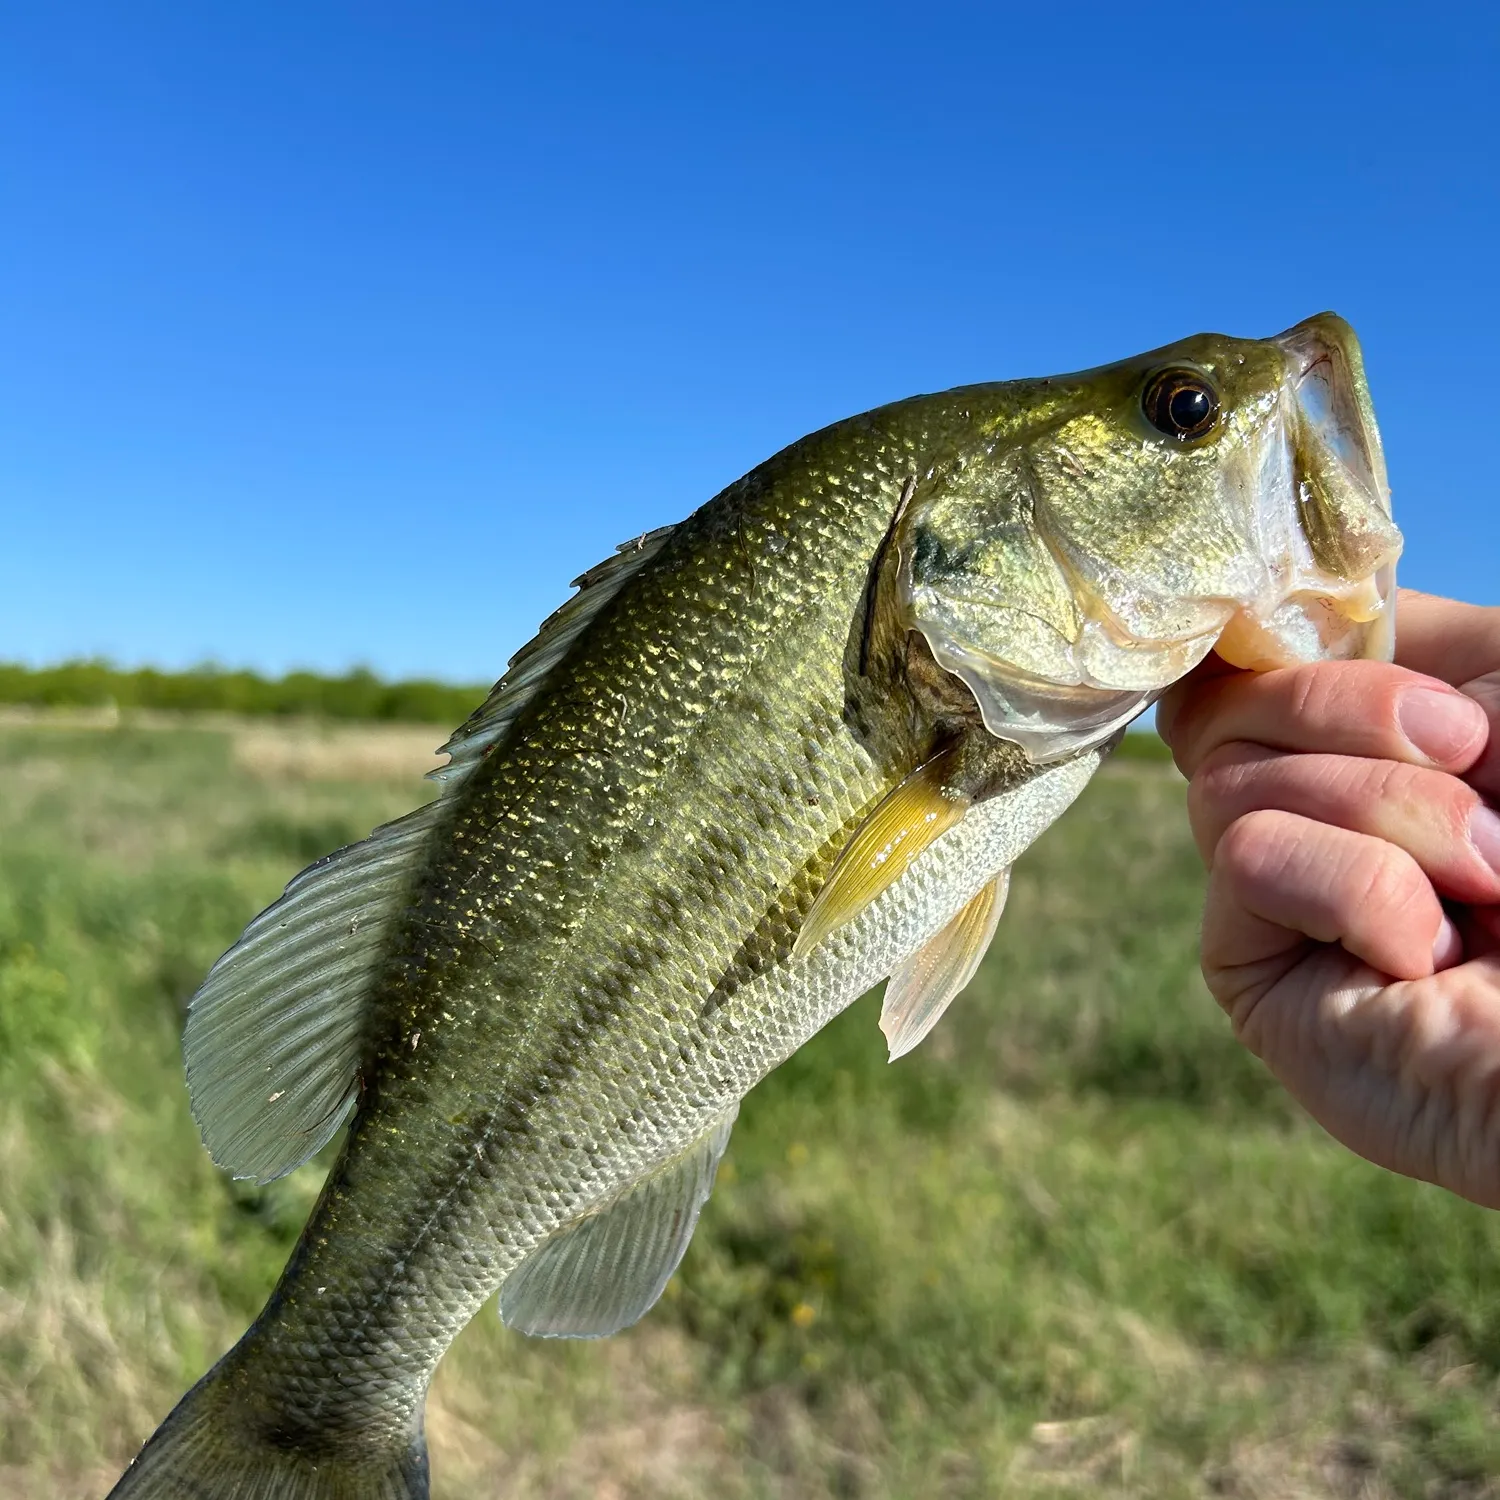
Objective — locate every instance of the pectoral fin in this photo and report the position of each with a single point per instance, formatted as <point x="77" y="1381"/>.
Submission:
<point x="604" y="1272"/>
<point x="922" y="988"/>
<point x="919" y="811"/>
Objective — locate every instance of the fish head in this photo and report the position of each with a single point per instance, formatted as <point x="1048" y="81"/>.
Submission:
<point x="1100" y="533"/>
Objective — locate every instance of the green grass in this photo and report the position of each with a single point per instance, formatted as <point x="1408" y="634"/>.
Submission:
<point x="1078" y="1243"/>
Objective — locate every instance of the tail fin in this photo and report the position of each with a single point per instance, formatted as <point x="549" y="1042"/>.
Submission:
<point x="201" y="1452"/>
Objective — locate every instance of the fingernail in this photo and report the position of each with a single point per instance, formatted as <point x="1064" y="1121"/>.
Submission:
<point x="1484" y="834"/>
<point x="1442" y="726"/>
<point x="1449" y="947"/>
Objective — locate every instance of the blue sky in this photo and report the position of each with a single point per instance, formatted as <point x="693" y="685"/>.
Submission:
<point x="350" y="333"/>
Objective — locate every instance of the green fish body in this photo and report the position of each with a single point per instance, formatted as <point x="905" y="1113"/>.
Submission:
<point x="764" y="759"/>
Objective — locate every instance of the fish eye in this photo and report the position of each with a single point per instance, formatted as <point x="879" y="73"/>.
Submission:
<point x="1181" y="403"/>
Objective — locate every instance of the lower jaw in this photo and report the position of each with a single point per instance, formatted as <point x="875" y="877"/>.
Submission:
<point x="1050" y="720"/>
<point x="1311" y="629"/>
<point x="1247" y="644"/>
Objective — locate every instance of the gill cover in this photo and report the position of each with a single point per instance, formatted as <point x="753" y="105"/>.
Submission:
<point x="1215" y="492"/>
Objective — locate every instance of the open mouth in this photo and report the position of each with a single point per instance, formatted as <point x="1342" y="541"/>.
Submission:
<point x="1337" y="601"/>
<point x="1318" y="584"/>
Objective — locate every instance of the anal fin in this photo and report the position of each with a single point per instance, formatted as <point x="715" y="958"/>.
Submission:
<point x="913" y="816"/>
<point x="605" y="1271"/>
<point x="923" y="987"/>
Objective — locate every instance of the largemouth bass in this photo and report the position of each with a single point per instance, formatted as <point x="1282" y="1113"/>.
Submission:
<point x="762" y="760"/>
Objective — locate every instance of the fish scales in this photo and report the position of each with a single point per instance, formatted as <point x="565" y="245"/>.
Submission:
<point x="616" y="812"/>
<point x="643" y="894"/>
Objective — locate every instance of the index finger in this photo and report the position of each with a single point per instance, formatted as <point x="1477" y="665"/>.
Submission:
<point x="1369" y="709"/>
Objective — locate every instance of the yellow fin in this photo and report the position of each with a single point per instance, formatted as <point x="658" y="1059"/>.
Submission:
<point x="921" y="989"/>
<point x="899" y="829"/>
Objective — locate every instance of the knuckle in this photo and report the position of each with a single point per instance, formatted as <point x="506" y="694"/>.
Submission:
<point x="1255" y="845"/>
<point x="1378" y="781"/>
<point x="1222" y="779"/>
<point x="1346" y="695"/>
<point x="1444" y="803"/>
<point x="1202" y="805"/>
<point x="1307" y="693"/>
<point x="1227" y="763"/>
<point x="1179" y="721"/>
<point x="1383" y="878"/>
<point x="1237" y="992"/>
<point x="1169" y="713"/>
<point x="1415" y="797"/>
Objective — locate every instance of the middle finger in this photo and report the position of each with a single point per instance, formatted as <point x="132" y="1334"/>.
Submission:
<point x="1437" y="819"/>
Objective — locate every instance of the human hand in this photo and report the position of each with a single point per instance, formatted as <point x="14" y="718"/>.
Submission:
<point x="1346" y="812"/>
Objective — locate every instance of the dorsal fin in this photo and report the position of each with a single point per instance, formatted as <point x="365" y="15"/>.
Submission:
<point x="529" y="667"/>
<point x="275" y="1033"/>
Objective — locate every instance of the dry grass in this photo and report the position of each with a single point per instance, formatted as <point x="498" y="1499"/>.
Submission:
<point x="276" y="750"/>
<point x="322" y="752"/>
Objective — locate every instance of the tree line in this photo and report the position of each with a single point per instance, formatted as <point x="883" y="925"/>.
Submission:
<point x="358" y="694"/>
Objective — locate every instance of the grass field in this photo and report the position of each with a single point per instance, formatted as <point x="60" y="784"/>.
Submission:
<point x="1076" y="1244"/>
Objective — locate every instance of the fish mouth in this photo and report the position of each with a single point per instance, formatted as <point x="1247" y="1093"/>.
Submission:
<point x="1318" y="583"/>
<point x="1338" y="578"/>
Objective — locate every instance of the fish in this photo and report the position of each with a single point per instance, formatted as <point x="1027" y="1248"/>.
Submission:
<point x="760" y="761"/>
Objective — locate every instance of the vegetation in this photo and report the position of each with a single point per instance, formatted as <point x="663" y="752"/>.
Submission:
<point x="356" y="695"/>
<point x="1078" y="1243"/>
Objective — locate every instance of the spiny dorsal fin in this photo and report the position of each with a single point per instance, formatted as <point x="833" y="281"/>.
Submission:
<point x="529" y="667"/>
<point x="922" y="988"/>
<point x="275" y="1034"/>
<point x="605" y="1271"/>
